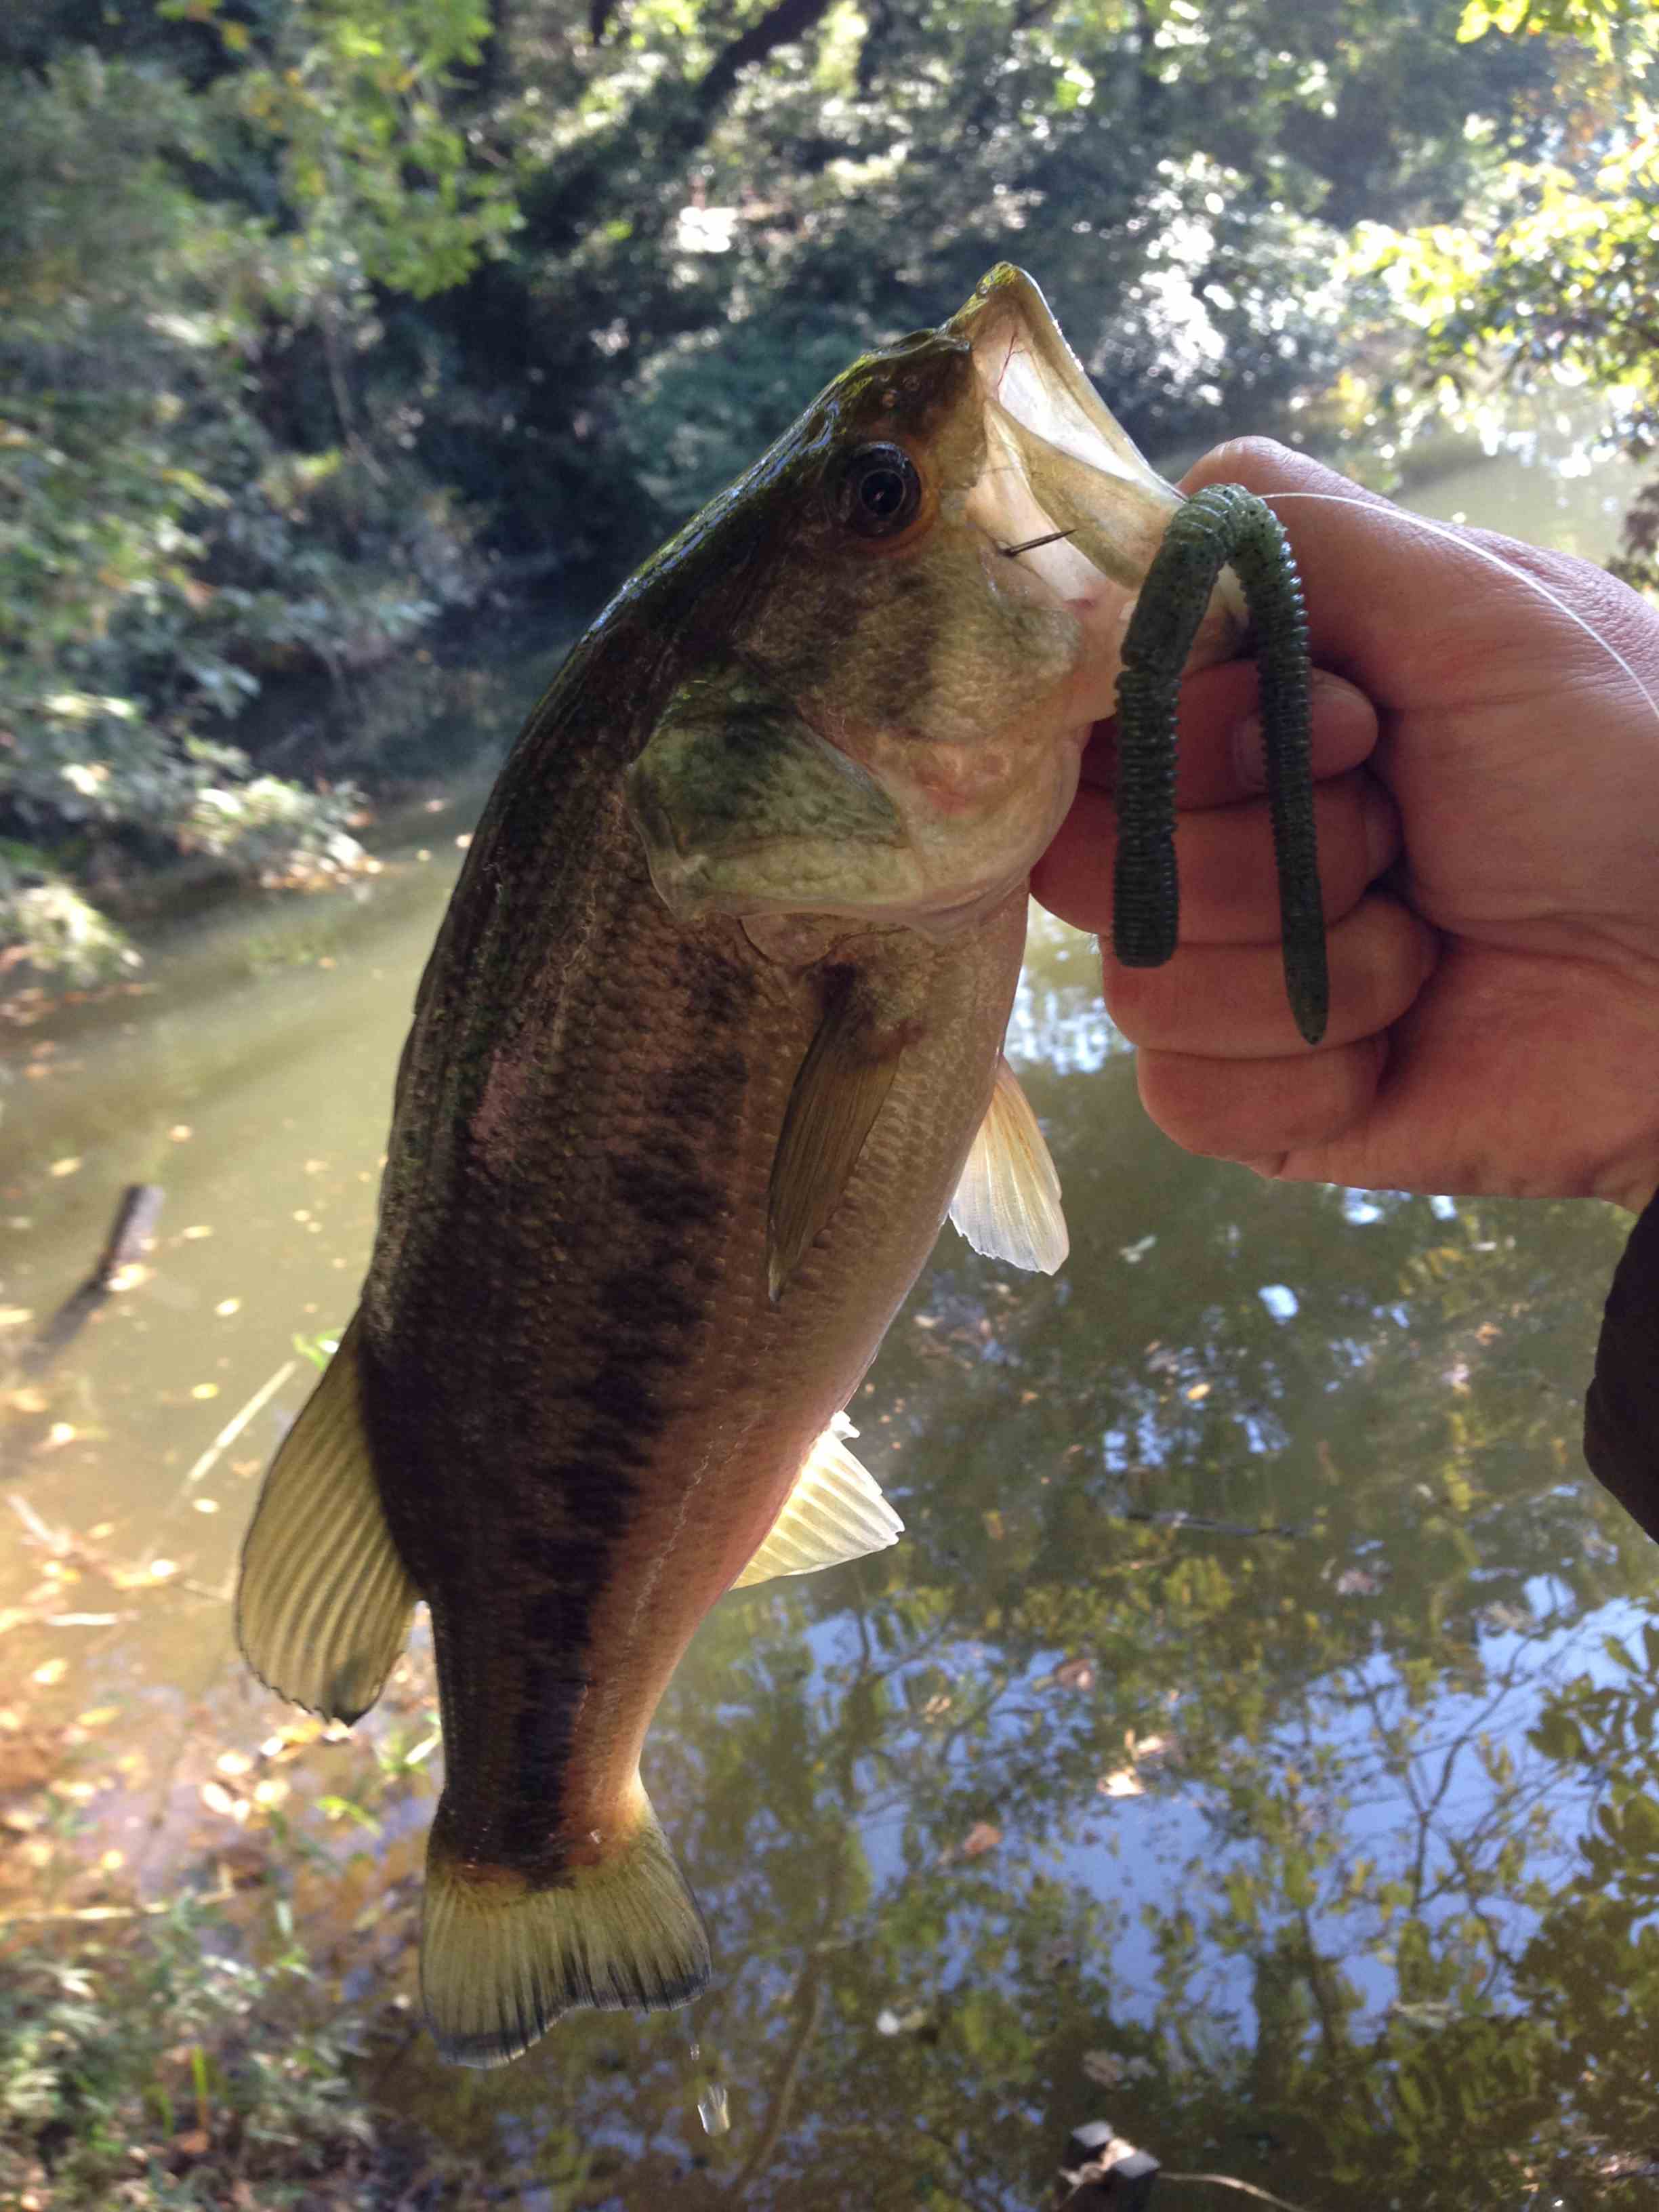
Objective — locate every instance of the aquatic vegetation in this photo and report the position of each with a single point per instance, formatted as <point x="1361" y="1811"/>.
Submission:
<point x="165" y="2070"/>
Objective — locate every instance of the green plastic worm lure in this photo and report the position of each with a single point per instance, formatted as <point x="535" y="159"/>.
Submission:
<point x="1222" y="525"/>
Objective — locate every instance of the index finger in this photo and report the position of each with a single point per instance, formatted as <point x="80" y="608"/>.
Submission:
<point x="1421" y="614"/>
<point x="1219" y="757"/>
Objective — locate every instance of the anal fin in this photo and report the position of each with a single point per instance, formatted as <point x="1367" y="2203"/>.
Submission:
<point x="834" y="1512"/>
<point x="1008" y="1203"/>
<point x="323" y="1601"/>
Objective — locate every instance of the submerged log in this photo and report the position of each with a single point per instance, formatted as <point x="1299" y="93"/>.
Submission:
<point x="129" y="1236"/>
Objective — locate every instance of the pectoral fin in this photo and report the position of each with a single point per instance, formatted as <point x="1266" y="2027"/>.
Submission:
<point x="1007" y="1204"/>
<point x="847" y="1074"/>
<point x="324" y="1602"/>
<point x="834" y="1512"/>
<point x="1621" y="1410"/>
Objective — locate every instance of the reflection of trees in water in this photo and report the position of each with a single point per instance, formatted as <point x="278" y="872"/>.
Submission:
<point x="1270" y="1846"/>
<point x="1417" y="1415"/>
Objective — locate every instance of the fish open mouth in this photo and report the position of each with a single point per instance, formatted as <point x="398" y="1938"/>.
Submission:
<point x="1058" y="467"/>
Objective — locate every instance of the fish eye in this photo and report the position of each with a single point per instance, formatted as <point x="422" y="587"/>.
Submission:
<point x="877" y="491"/>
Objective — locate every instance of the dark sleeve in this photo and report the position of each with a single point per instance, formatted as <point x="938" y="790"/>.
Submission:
<point x="1621" y="1407"/>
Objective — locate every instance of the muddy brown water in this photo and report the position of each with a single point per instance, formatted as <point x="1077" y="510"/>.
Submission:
<point x="1249" y="1743"/>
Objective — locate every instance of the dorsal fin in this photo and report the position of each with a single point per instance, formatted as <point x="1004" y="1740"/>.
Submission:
<point x="323" y="1601"/>
<point x="1007" y="1204"/>
<point x="834" y="1512"/>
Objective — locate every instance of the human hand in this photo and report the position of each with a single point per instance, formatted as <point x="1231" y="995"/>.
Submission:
<point x="1488" y="813"/>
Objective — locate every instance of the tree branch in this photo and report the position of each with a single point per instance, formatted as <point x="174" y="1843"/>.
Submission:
<point x="673" y="118"/>
<point x="781" y="26"/>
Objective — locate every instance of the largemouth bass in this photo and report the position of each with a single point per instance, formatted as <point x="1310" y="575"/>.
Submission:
<point x="708" y="1046"/>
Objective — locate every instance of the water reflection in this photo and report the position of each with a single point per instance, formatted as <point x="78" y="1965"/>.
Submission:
<point x="1251" y="1741"/>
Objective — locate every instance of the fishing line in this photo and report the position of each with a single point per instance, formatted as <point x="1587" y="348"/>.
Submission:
<point x="1223" y="525"/>
<point x="1456" y="537"/>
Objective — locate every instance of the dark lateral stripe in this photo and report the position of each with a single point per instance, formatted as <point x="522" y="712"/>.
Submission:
<point x="582" y="1445"/>
<point x="544" y="1725"/>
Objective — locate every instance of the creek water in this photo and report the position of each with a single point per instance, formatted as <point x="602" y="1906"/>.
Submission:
<point x="1247" y="1743"/>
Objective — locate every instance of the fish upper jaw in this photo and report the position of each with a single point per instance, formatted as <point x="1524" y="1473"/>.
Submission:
<point x="1056" y="460"/>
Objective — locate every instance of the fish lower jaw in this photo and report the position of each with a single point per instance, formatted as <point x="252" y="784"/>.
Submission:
<point x="946" y="920"/>
<point x="695" y="890"/>
<point x="940" y="912"/>
<point x="976" y="858"/>
<point x="1103" y="617"/>
<point x="904" y="893"/>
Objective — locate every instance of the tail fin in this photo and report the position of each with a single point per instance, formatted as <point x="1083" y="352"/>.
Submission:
<point x="501" y="1958"/>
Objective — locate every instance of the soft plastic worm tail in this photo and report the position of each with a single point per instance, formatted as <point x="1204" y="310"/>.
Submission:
<point x="1221" y="525"/>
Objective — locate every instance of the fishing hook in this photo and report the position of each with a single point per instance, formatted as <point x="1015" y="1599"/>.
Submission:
<point x="1053" y="537"/>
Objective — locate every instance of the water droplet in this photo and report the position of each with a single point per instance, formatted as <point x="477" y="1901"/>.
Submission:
<point x="711" y="2109"/>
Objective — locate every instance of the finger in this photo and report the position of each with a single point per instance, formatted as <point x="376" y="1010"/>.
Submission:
<point x="1225" y="862"/>
<point x="1220" y="757"/>
<point x="1227" y="1002"/>
<point x="1258" y="1111"/>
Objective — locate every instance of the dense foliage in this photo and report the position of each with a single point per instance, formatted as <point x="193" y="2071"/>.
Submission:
<point x="324" y="317"/>
<point x="1551" y="272"/>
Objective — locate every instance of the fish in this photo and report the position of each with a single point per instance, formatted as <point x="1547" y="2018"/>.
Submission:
<point x="707" y="1048"/>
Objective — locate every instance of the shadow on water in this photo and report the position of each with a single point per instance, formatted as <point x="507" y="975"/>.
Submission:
<point x="1250" y="1742"/>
